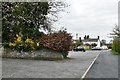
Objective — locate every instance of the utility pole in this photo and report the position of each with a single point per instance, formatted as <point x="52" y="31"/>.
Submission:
<point x="77" y="36"/>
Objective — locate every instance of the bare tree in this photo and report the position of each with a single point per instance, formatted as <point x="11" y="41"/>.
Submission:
<point x="116" y="32"/>
<point x="55" y="8"/>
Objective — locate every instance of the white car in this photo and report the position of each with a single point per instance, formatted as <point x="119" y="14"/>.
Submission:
<point x="96" y="48"/>
<point x="104" y="47"/>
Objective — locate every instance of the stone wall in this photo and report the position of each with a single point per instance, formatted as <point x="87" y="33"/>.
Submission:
<point x="44" y="54"/>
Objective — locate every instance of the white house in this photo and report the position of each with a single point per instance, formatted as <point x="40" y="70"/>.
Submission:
<point x="92" y="42"/>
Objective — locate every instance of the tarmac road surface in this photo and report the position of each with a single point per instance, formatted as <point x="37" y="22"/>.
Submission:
<point x="106" y="66"/>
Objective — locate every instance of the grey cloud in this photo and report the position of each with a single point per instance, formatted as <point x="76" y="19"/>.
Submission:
<point x="94" y="17"/>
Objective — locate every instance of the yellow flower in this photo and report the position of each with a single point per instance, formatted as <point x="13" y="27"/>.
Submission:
<point x="19" y="39"/>
<point x="17" y="35"/>
<point x="38" y="44"/>
<point x="28" y="40"/>
<point x="31" y="42"/>
<point x="12" y="44"/>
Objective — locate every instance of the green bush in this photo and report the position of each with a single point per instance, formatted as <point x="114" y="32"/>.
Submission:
<point x="59" y="41"/>
<point x="116" y="46"/>
<point x="22" y="45"/>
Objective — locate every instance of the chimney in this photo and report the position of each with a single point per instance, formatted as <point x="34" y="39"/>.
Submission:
<point x="80" y="39"/>
<point x="98" y="37"/>
<point x="87" y="36"/>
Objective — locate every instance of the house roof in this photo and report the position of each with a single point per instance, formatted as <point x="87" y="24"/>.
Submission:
<point x="91" y="40"/>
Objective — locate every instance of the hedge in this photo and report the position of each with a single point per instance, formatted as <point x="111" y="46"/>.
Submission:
<point x="58" y="41"/>
<point x="116" y="46"/>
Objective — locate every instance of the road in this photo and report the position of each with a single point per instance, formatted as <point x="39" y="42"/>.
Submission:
<point x="106" y="66"/>
<point x="0" y="63"/>
<point x="74" y="67"/>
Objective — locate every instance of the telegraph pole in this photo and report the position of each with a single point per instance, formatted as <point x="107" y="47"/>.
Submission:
<point x="77" y="36"/>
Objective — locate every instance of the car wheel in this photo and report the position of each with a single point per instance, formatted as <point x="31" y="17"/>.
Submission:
<point x="83" y="50"/>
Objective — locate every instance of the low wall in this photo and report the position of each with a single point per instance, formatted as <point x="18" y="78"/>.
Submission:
<point x="43" y="54"/>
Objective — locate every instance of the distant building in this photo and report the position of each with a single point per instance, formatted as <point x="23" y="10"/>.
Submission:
<point x="92" y="42"/>
<point x="87" y="42"/>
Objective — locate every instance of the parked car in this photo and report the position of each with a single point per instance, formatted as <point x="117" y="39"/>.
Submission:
<point x="104" y="47"/>
<point x="79" y="48"/>
<point x="96" y="48"/>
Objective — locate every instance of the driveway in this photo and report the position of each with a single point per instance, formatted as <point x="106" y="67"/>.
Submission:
<point x="74" y="67"/>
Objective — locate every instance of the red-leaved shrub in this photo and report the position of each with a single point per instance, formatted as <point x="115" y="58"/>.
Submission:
<point x="58" y="41"/>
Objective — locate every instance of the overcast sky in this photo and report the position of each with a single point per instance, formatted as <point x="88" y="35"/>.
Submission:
<point x="89" y="17"/>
